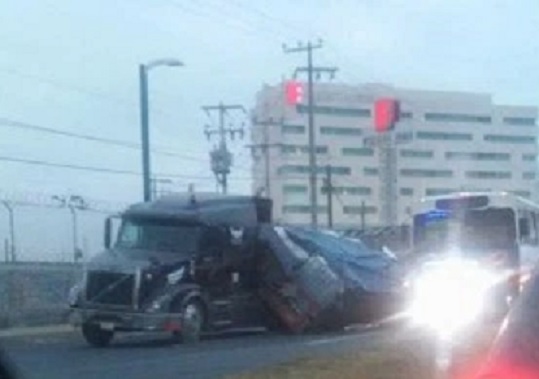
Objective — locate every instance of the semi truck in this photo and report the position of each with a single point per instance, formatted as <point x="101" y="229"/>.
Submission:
<point x="189" y="264"/>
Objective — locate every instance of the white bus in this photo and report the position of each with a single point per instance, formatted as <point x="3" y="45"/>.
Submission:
<point x="471" y="254"/>
<point x="493" y="226"/>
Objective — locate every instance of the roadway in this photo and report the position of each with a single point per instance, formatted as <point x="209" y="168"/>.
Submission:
<point x="68" y="357"/>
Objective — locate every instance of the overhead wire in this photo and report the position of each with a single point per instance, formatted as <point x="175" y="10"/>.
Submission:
<point x="290" y="26"/>
<point x="107" y="170"/>
<point x="82" y="90"/>
<point x="8" y="122"/>
<point x="86" y="91"/>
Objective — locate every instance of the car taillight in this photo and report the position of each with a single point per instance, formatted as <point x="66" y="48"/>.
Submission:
<point x="507" y="370"/>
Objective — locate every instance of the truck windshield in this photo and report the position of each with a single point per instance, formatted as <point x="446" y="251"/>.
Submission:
<point x="471" y="232"/>
<point x="159" y="235"/>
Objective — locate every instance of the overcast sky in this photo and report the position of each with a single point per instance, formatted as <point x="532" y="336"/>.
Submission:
<point x="72" y="65"/>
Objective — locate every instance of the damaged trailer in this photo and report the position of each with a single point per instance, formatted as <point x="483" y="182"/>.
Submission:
<point x="190" y="264"/>
<point x="319" y="280"/>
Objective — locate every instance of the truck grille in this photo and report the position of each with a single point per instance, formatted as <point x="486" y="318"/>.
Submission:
<point x="110" y="288"/>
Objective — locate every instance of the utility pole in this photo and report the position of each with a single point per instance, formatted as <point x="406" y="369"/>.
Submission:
<point x="265" y="147"/>
<point x="220" y="156"/>
<point x="12" y="244"/>
<point x="328" y="186"/>
<point x="363" y="215"/>
<point x="310" y="106"/>
<point x="6" y="250"/>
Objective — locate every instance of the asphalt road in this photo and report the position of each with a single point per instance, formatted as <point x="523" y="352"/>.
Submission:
<point x="68" y="357"/>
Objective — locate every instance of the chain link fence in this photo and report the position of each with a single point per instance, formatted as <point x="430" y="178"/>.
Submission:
<point x="35" y="293"/>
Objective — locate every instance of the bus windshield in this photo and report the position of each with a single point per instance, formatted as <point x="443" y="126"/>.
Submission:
<point x="470" y="231"/>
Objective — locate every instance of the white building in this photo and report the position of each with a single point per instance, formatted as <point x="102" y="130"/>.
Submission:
<point x="448" y="141"/>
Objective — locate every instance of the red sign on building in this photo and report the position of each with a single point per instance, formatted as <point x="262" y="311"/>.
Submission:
<point x="386" y="114"/>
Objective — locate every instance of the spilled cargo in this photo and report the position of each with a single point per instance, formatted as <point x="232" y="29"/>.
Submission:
<point x="336" y="280"/>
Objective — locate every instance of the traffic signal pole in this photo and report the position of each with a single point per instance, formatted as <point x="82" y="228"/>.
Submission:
<point x="312" y="150"/>
<point x="265" y="147"/>
<point x="328" y="185"/>
<point x="310" y="109"/>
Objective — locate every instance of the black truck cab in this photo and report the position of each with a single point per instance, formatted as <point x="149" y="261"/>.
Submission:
<point x="184" y="264"/>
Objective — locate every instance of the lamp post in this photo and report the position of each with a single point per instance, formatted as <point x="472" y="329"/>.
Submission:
<point x="12" y="245"/>
<point x="144" y="69"/>
<point x="73" y="203"/>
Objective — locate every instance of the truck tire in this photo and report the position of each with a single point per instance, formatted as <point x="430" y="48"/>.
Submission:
<point x="336" y="324"/>
<point x="273" y="324"/>
<point x="95" y="336"/>
<point x="192" y="322"/>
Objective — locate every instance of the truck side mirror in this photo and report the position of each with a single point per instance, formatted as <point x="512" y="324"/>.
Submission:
<point x="108" y="233"/>
<point x="524" y="227"/>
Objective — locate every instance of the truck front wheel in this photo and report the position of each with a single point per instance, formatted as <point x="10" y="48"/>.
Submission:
<point x="95" y="336"/>
<point x="192" y="322"/>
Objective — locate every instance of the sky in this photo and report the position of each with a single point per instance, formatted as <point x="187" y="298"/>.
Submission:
<point x="72" y="66"/>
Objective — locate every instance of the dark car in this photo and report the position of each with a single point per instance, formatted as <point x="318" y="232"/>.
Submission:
<point x="515" y="353"/>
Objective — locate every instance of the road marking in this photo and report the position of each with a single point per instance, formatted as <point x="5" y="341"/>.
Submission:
<point x="324" y="341"/>
<point x="36" y="331"/>
<point x="340" y="338"/>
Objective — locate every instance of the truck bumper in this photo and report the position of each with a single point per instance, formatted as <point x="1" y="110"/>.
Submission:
<point x="125" y="321"/>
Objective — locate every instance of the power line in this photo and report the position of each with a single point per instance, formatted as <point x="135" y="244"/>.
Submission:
<point x="221" y="158"/>
<point x="246" y="22"/>
<point x="278" y="33"/>
<point x="82" y="90"/>
<point x="106" y="170"/>
<point x="204" y="14"/>
<point x="126" y="144"/>
<point x="271" y="19"/>
<point x="68" y="86"/>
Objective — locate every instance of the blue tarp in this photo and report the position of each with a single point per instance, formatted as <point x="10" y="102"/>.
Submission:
<point x="360" y="268"/>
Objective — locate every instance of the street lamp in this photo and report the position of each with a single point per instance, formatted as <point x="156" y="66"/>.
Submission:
<point x="144" y="117"/>
<point x="12" y="248"/>
<point x="73" y="203"/>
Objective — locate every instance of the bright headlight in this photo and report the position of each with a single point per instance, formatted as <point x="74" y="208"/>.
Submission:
<point x="449" y="295"/>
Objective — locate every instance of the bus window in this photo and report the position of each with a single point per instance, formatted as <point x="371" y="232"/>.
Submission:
<point x="527" y="227"/>
<point x="487" y="229"/>
<point x="534" y="227"/>
<point x="472" y="232"/>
